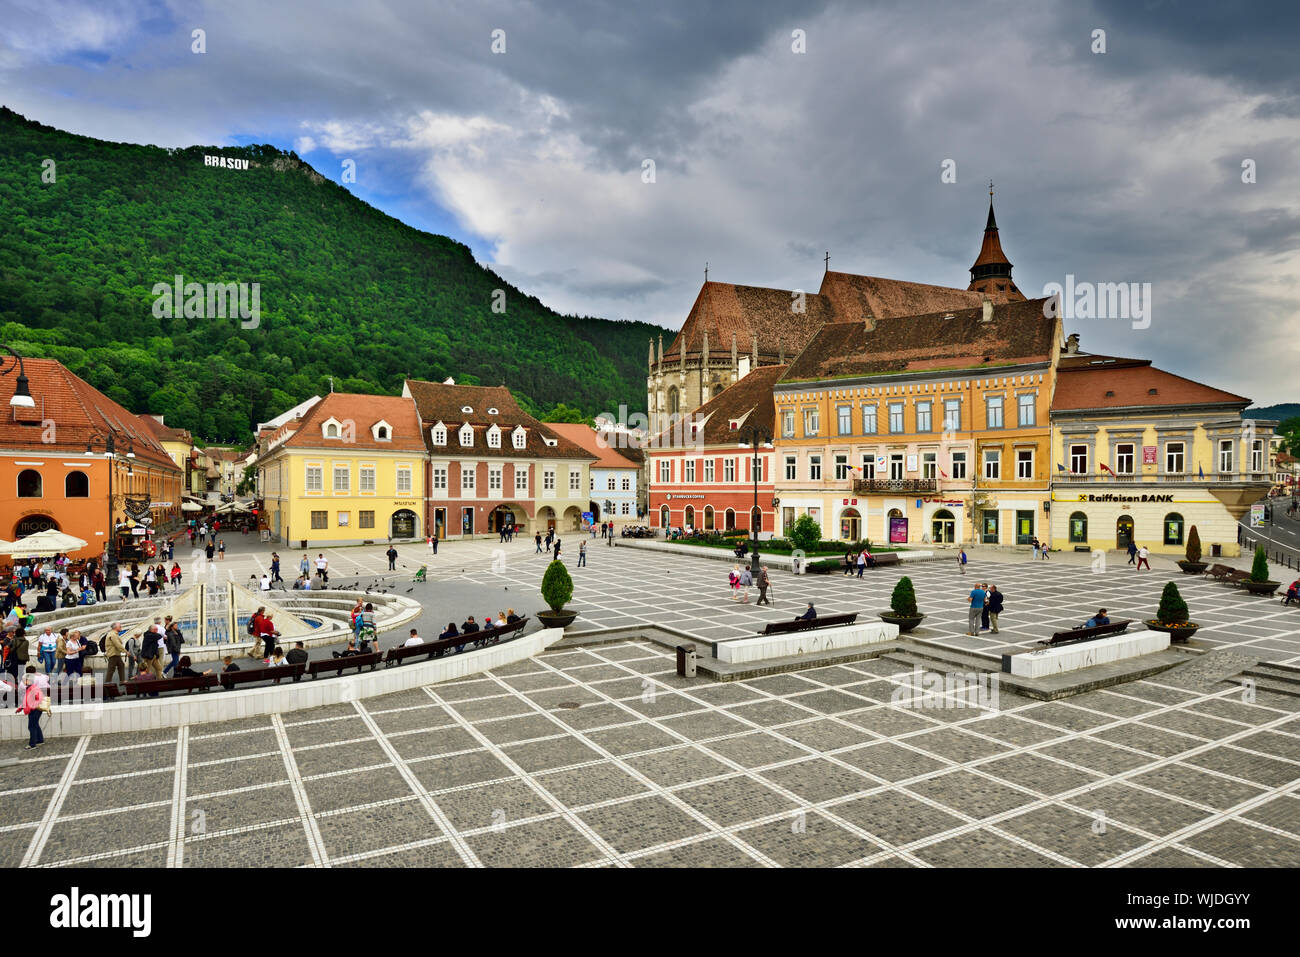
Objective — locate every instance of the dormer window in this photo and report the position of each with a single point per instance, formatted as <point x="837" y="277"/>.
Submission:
<point x="493" y="412"/>
<point x="519" y="437"/>
<point x="466" y="435"/>
<point x="331" y="431"/>
<point x="494" y="438"/>
<point x="330" y="428"/>
<point x="382" y="431"/>
<point x="439" y="434"/>
<point x="467" y="410"/>
<point x="551" y="443"/>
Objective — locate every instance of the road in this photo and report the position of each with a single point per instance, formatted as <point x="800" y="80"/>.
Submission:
<point x="1279" y="536"/>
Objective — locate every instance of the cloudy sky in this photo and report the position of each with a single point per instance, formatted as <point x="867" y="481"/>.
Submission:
<point x="1117" y="166"/>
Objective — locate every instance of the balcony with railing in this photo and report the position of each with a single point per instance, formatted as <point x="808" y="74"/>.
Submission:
<point x="1157" y="478"/>
<point x="902" y="486"/>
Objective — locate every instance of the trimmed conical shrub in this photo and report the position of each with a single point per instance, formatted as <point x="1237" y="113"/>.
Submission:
<point x="1259" y="570"/>
<point x="1193" y="546"/>
<point x="1173" y="610"/>
<point x="903" y="601"/>
<point x="557" y="586"/>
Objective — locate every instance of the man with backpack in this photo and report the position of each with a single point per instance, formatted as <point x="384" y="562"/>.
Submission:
<point x="114" y="653"/>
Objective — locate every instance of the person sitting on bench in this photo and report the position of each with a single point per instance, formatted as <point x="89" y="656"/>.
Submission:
<point x="350" y="650"/>
<point x="742" y="549"/>
<point x="511" y="617"/>
<point x="1097" y="619"/>
<point x="229" y="662"/>
<point x="298" y="656"/>
<point x="1292" y="593"/>
<point x="450" y="632"/>
<point x="809" y="615"/>
<point x="183" y="669"/>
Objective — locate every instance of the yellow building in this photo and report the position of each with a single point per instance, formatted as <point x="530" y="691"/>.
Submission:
<point x="1142" y="455"/>
<point x="928" y="429"/>
<point x="349" y="472"/>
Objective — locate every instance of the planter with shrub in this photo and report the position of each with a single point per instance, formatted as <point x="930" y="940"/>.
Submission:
<point x="1258" y="583"/>
<point x="557" y="589"/>
<point x="1191" y="564"/>
<point x="902" y="607"/>
<point x="1171" y="616"/>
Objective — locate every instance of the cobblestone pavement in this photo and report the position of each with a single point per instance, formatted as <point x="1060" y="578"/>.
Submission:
<point x="602" y="756"/>
<point x="813" y="768"/>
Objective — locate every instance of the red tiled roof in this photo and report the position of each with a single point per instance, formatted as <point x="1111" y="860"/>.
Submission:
<point x="363" y="412"/>
<point x="608" y="456"/>
<point x="489" y="405"/>
<point x="162" y="432"/>
<point x="78" y="411"/>
<point x="749" y="401"/>
<point x="862" y="297"/>
<point x="1017" y="333"/>
<point x="1132" y="385"/>
<point x="725" y="310"/>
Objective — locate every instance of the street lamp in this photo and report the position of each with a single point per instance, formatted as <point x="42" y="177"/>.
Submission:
<point x="757" y="438"/>
<point x="114" y="458"/>
<point x="22" y="397"/>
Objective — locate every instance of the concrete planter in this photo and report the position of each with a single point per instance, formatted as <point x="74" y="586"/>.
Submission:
<point x="1193" y="568"/>
<point x="557" y="619"/>
<point x="905" y="623"/>
<point x="1261" y="588"/>
<point x="1175" y="632"/>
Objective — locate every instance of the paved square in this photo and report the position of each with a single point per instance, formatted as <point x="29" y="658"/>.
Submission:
<point x="815" y="768"/>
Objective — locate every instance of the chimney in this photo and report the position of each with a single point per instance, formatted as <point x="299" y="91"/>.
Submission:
<point x="733" y="352"/>
<point x="756" y="350"/>
<point x="988" y="310"/>
<point x="1072" y="344"/>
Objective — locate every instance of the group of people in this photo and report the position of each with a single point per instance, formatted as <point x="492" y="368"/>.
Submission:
<point x="1040" y="548"/>
<point x="985" y="606"/>
<point x="551" y="543"/>
<point x="861" y="560"/>
<point x="741" y="579"/>
<point x="1138" y="555"/>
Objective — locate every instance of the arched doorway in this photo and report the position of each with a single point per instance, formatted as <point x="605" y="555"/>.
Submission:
<point x="546" y="518"/>
<point x="943" y="527"/>
<point x="1123" y="531"/>
<point x="1173" y="529"/>
<point x="402" y="524"/>
<point x="1078" y="528"/>
<point x="502" y="517"/>
<point x="729" y="520"/>
<point x="708" y="518"/>
<point x="688" y="520"/>
<point x="850" y="525"/>
<point x="573" y="518"/>
<point x="664" y="517"/>
<point x="33" y="524"/>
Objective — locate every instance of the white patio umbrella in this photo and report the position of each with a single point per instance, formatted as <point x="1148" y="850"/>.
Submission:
<point x="48" y="542"/>
<point x="191" y="507"/>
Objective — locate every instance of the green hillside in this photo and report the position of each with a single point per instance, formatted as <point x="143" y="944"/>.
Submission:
<point x="345" y="289"/>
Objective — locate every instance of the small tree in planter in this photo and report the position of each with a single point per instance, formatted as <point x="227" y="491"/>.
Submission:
<point x="1259" y="583"/>
<point x="557" y="589"/>
<point x="1171" y="616"/>
<point x="902" y="606"/>
<point x="1191" y="563"/>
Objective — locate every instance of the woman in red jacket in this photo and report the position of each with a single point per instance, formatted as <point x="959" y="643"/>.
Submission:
<point x="31" y="706"/>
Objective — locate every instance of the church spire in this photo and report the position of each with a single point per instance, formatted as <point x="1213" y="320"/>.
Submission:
<point x="991" y="273"/>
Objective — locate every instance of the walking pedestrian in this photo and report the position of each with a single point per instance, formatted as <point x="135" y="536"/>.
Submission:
<point x="582" y="554"/>
<point x="392" y="558"/>
<point x="304" y="566"/>
<point x="538" y="539"/>
<point x="32" y="706"/>
<point x="984" y="612"/>
<point x="746" y="580"/>
<point x="1143" y="555"/>
<point x="733" y="581"/>
<point x="764" y="583"/>
<point x="221" y="549"/>
<point x="994" y="606"/>
<point x="557" y="549"/>
<point x="862" y="562"/>
<point x="114" y="653"/>
<point x="275" y="569"/>
<point x="976" y="610"/>
<point x="1132" y="552"/>
<point x="434" y="542"/>
<point x="961" y="561"/>
<point x="323" y="568"/>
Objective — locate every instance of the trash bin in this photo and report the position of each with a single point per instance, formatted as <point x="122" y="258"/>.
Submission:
<point x="686" y="661"/>
<point x="302" y="543"/>
<point x="798" y="566"/>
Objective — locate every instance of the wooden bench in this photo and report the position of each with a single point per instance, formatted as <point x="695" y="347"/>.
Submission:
<point x="877" y="561"/>
<point x="1218" y="572"/>
<point x="440" y="646"/>
<point x="344" y="663"/>
<point x="232" y="679"/>
<point x="142" y="688"/>
<point x="800" y="624"/>
<point x="1236" y="577"/>
<point x="1088" y="634"/>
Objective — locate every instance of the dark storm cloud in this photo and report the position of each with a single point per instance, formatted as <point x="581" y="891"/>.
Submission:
<point x="1123" y="166"/>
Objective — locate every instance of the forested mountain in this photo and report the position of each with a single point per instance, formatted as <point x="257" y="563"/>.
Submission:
<point x="345" y="290"/>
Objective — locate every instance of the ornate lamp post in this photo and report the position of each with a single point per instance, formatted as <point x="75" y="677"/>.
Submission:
<point x="114" y="463"/>
<point x="22" y="397"/>
<point x="758" y="438"/>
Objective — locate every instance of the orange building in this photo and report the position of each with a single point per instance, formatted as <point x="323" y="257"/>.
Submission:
<point x="55" y="471"/>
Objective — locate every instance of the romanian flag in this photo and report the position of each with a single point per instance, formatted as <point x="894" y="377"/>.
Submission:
<point x="1104" y="467"/>
<point x="943" y="473"/>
